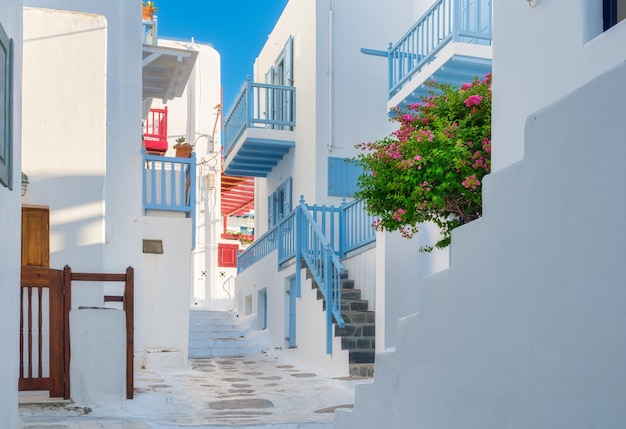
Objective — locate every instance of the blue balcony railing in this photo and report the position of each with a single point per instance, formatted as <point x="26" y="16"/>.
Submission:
<point x="319" y="235"/>
<point x="465" y="21"/>
<point x="259" y="105"/>
<point x="169" y="184"/>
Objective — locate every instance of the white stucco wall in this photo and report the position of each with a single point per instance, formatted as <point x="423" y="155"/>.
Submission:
<point x="125" y="226"/>
<point x="352" y="102"/>
<point x="196" y="116"/>
<point x="11" y="20"/>
<point x="526" y="328"/>
<point x="564" y="49"/>
<point x="310" y="318"/>
<point x="65" y="131"/>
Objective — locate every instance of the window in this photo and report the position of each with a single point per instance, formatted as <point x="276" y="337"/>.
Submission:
<point x="280" y="103"/>
<point x="279" y="203"/>
<point x="6" y="107"/>
<point x="613" y="11"/>
<point x="342" y="177"/>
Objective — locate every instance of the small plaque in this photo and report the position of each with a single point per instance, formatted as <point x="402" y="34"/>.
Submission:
<point x="153" y="246"/>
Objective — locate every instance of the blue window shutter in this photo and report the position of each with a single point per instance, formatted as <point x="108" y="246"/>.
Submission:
<point x="343" y="175"/>
<point x="288" y="204"/>
<point x="270" y="211"/>
<point x="288" y="66"/>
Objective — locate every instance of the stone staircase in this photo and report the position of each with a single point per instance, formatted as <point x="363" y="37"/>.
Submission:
<point x="222" y="334"/>
<point x="358" y="336"/>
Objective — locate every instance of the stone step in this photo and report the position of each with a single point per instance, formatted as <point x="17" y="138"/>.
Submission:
<point x="364" y="370"/>
<point x="354" y="304"/>
<point x="349" y="294"/>
<point x="353" y="343"/>
<point x="351" y="316"/>
<point x="356" y="330"/>
<point x="347" y="284"/>
<point x="212" y="314"/>
<point x="361" y="356"/>
<point x="203" y="335"/>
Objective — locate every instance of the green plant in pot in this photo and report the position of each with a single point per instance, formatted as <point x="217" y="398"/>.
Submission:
<point x="183" y="149"/>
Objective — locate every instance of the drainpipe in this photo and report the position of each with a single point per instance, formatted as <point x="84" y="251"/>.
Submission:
<point x="331" y="89"/>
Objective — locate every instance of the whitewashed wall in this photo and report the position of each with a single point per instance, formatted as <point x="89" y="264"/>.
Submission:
<point x="124" y="224"/>
<point x="196" y="117"/>
<point x="11" y="20"/>
<point x="352" y="102"/>
<point x="541" y="55"/>
<point x="310" y="322"/>
<point x="65" y="132"/>
<point x="526" y="328"/>
<point x="341" y="99"/>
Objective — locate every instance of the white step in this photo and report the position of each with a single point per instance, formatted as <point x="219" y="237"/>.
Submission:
<point x="222" y="334"/>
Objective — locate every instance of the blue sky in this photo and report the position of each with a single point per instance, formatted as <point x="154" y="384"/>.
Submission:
<point x="236" y="28"/>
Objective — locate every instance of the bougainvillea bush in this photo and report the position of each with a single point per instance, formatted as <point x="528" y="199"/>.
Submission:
<point x="430" y="169"/>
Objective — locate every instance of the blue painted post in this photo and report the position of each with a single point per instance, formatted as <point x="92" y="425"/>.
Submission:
<point x="456" y="16"/>
<point x="192" y="199"/>
<point x="343" y="230"/>
<point x="329" y="299"/>
<point x="249" y="103"/>
<point x="390" y="67"/>
<point x="300" y="242"/>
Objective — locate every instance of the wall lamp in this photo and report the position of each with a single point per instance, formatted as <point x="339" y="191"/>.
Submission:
<point x="532" y="3"/>
<point x="25" y="183"/>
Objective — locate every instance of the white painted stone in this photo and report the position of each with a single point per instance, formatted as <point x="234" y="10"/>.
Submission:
<point x="163" y="359"/>
<point x="98" y="357"/>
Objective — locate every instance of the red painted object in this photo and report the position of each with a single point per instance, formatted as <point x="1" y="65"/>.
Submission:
<point x="155" y="132"/>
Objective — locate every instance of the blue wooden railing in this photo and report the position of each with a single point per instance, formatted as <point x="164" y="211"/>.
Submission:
<point x="324" y="265"/>
<point x="259" y="105"/>
<point x="169" y="184"/>
<point x="356" y="227"/>
<point x="319" y="235"/>
<point x="466" y="21"/>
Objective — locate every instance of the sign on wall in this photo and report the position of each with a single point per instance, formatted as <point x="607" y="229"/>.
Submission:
<point x="6" y="75"/>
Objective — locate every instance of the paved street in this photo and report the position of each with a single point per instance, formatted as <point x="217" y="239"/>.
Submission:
<point x="259" y="391"/>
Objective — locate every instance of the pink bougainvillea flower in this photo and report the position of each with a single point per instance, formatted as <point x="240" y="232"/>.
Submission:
<point x="473" y="100"/>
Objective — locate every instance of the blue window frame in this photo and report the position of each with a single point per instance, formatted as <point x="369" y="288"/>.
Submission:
<point x="343" y="175"/>
<point x="6" y="109"/>
<point x="279" y="203"/>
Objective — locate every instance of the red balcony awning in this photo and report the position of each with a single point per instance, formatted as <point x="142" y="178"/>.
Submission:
<point x="237" y="195"/>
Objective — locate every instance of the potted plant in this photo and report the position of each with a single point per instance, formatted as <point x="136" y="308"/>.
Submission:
<point x="183" y="149"/>
<point x="147" y="10"/>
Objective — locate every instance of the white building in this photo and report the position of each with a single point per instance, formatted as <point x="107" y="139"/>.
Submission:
<point x="526" y="327"/>
<point x="314" y="96"/>
<point x="10" y="120"/>
<point x="102" y="204"/>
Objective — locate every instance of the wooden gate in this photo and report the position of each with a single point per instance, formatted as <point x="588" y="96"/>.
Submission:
<point x="45" y="303"/>
<point x="44" y="318"/>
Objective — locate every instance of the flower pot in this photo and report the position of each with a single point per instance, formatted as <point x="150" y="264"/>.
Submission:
<point x="183" y="151"/>
<point x="147" y="13"/>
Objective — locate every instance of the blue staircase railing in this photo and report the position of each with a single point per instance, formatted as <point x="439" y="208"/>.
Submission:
<point x="320" y="236"/>
<point x="324" y="265"/>
<point x="169" y="184"/>
<point x="466" y="21"/>
<point x="259" y="105"/>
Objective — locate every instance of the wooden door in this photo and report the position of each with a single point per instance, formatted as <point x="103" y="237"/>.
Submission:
<point x="36" y="236"/>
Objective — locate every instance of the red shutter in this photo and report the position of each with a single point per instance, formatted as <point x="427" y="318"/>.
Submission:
<point x="227" y="255"/>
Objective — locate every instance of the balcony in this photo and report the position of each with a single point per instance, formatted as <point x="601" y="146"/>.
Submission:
<point x="169" y="186"/>
<point x="450" y="43"/>
<point x="258" y="130"/>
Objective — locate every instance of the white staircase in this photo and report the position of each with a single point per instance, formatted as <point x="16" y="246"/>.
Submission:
<point x="223" y="333"/>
